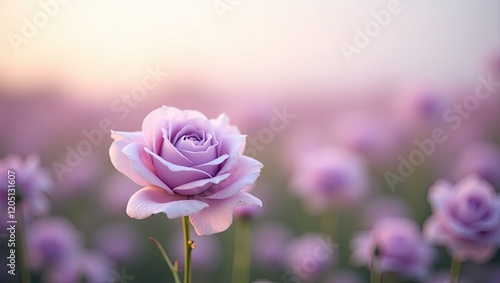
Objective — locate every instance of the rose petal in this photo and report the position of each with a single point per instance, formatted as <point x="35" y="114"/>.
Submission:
<point x="472" y="188"/>
<point x="175" y="175"/>
<point x="219" y="215"/>
<point x="197" y="126"/>
<point x="141" y="165"/>
<point x="212" y="167"/>
<point x="244" y="173"/>
<point x="152" y="119"/>
<point x="160" y="135"/>
<point x="201" y="157"/>
<point x="181" y="142"/>
<point x="434" y="231"/>
<point x="180" y="120"/>
<point x="439" y="195"/>
<point x="171" y="154"/>
<point x="120" y="160"/>
<point x="231" y="145"/>
<point x="199" y="186"/>
<point x="222" y="126"/>
<point x="153" y="200"/>
<point x="362" y="246"/>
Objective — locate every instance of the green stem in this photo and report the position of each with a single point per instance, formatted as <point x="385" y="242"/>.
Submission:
<point x="21" y="244"/>
<point x="389" y="277"/>
<point x="375" y="277"/>
<point x="329" y="223"/>
<point x="188" y="247"/>
<point x="173" y="269"/>
<point x="456" y="265"/>
<point x="242" y="251"/>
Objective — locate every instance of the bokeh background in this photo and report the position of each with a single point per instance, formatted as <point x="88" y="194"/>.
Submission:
<point x="67" y="66"/>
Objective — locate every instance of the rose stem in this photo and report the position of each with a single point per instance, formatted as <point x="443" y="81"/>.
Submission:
<point x="187" y="251"/>
<point x="329" y="223"/>
<point x="389" y="277"/>
<point x="330" y="227"/>
<point x="242" y="251"/>
<point x="375" y="277"/>
<point x="456" y="265"/>
<point x="173" y="269"/>
<point x="25" y="272"/>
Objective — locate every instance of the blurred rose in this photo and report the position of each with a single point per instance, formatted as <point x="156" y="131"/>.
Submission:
<point x="52" y="241"/>
<point x="308" y="257"/>
<point x="188" y="165"/>
<point x="31" y="182"/>
<point x="465" y="219"/>
<point x="420" y="107"/>
<point x="397" y="247"/>
<point x="330" y="176"/>
<point x="269" y="241"/>
<point x="90" y="267"/>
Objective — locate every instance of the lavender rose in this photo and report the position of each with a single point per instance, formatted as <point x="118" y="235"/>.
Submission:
<point x="397" y="246"/>
<point x="330" y="176"/>
<point x="466" y="218"/>
<point x="32" y="183"/>
<point x="187" y="165"/>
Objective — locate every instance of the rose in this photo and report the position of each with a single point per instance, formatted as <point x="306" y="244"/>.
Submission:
<point x="309" y="256"/>
<point x="187" y="165"/>
<point x="30" y="181"/>
<point x="393" y="245"/>
<point x="465" y="219"/>
<point x="330" y="176"/>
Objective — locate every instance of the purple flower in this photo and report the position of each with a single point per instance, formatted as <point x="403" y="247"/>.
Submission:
<point x="91" y="267"/>
<point x="187" y="165"/>
<point x="52" y="241"/>
<point x="393" y="245"/>
<point x="465" y="219"/>
<point x="331" y="176"/>
<point x="308" y="257"/>
<point x="31" y="182"/>
<point x="420" y="106"/>
<point x="269" y="241"/>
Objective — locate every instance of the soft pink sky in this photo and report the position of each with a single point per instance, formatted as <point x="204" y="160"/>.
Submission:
<point x="98" y="45"/>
